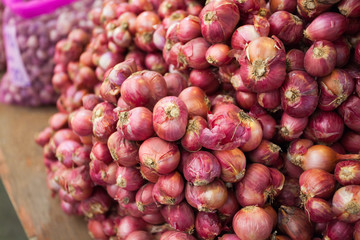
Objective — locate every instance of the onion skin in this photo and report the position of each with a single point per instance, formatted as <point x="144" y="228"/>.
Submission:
<point x="233" y="164"/>
<point x="316" y="183"/>
<point x="269" y="100"/>
<point x="263" y="65"/>
<point x="295" y="60"/>
<point x="252" y="223"/>
<point x="159" y="155"/>
<point x="292" y="128"/>
<point x="266" y="153"/>
<point x="268" y="125"/>
<point x="299" y="94"/>
<point x="180" y="217"/>
<point x="205" y="79"/>
<point x="327" y="26"/>
<point x="254" y="188"/>
<point x="174" y="235"/>
<point x="207" y="225"/>
<point x="243" y="35"/>
<point x="97" y="204"/>
<point x="228" y="210"/>
<point x="335" y="89"/>
<point x="206" y="198"/>
<point x="218" y="54"/>
<point x="318" y="210"/>
<point x="356" y="235"/>
<point x="81" y="122"/>
<point x="349" y="8"/>
<point x="144" y="200"/>
<point x="136" y="124"/>
<point x="104" y="121"/>
<point x="191" y="140"/>
<point x="228" y="237"/>
<point x="143" y="88"/>
<point x="245" y="99"/>
<point x="189" y="28"/>
<point x="175" y="83"/>
<point x="123" y="151"/>
<point x="201" y="168"/>
<point x="129" y="178"/>
<point x="342" y="51"/>
<point x="346" y="202"/>
<point x="350" y="111"/>
<point x="290" y="194"/>
<point x="170" y="118"/>
<point x="193" y="54"/>
<point x="129" y="224"/>
<point x="324" y="127"/>
<point x="95" y="230"/>
<point x="350" y="141"/>
<point x="294" y="222"/>
<point x="338" y="230"/>
<point x="320" y="58"/>
<point x="282" y="5"/>
<point x="169" y="189"/>
<point x="154" y="218"/>
<point x="311" y="9"/>
<point x="149" y="174"/>
<point x="196" y="101"/>
<point x="230" y="127"/>
<point x="286" y="26"/>
<point x="139" y="235"/>
<point x="218" y="20"/>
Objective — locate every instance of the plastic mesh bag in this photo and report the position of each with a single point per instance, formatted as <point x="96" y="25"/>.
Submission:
<point x="30" y="31"/>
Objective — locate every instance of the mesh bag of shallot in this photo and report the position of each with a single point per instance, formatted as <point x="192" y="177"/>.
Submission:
<point x="31" y="30"/>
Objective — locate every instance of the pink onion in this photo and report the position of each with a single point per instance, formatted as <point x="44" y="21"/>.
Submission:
<point x="174" y="235"/>
<point x="229" y="209"/>
<point x="243" y="35"/>
<point x="218" y="20"/>
<point x="81" y="122"/>
<point x="248" y="6"/>
<point x="104" y="121"/>
<point x="196" y="101"/>
<point x="191" y="140"/>
<point x="180" y="217"/>
<point x="339" y="230"/>
<point x="149" y="174"/>
<point x="318" y="210"/>
<point x="193" y="54"/>
<point x="129" y="178"/>
<point x="350" y="141"/>
<point x="324" y="127"/>
<point x="144" y="199"/>
<point x="290" y="194"/>
<point x="292" y="128"/>
<point x="295" y="60"/>
<point x="201" y="168"/>
<point x="175" y="83"/>
<point x="320" y="58"/>
<point x="245" y="99"/>
<point x="159" y="155"/>
<point x="205" y="79"/>
<point x="349" y="8"/>
<point x="65" y="152"/>
<point x="207" y="225"/>
<point x="143" y="89"/>
<point x="286" y="26"/>
<point x="233" y="163"/>
<point x="263" y="66"/>
<point x="252" y="223"/>
<point x="345" y="203"/>
<point x="218" y="54"/>
<point x="327" y="26"/>
<point x="123" y="151"/>
<point x="269" y="100"/>
<point x="299" y="94"/>
<point x="230" y="127"/>
<point x="342" y="51"/>
<point x="139" y="235"/>
<point x="350" y="111"/>
<point x="136" y="124"/>
<point x="169" y="189"/>
<point x="294" y="222"/>
<point x="189" y="28"/>
<point x="98" y="203"/>
<point x="282" y="5"/>
<point x="316" y="183"/>
<point x="208" y="197"/>
<point x="129" y="224"/>
<point x="266" y="153"/>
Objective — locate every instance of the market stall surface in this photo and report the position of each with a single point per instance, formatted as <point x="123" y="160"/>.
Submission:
<point x="24" y="177"/>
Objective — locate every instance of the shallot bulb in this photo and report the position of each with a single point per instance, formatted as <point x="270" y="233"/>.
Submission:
<point x="201" y="168"/>
<point x="230" y="127"/>
<point x="170" y="118"/>
<point x="266" y="153"/>
<point x="144" y="199"/>
<point x="335" y="89"/>
<point x="286" y="26"/>
<point x="191" y="140"/>
<point x="320" y="58"/>
<point x="243" y="35"/>
<point x="252" y="223"/>
<point x="318" y="210"/>
<point x="292" y="128"/>
<point x="193" y="54"/>
<point x="339" y="230"/>
<point x="218" y="20"/>
<point x="233" y="163"/>
<point x="196" y="101"/>
<point x="123" y="151"/>
<point x="346" y="203"/>
<point x="180" y="217"/>
<point x="299" y="94"/>
<point x="295" y="60"/>
<point x="348" y="173"/>
<point x="159" y="155"/>
<point x="169" y="189"/>
<point x="263" y="66"/>
<point x="324" y="127"/>
<point x="207" y="225"/>
<point x="208" y="197"/>
<point x="350" y="111"/>
<point x="316" y="183"/>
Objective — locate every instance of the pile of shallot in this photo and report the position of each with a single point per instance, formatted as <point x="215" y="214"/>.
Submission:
<point x="231" y="120"/>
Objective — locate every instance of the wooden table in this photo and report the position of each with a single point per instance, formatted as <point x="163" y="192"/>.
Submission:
<point x="24" y="177"/>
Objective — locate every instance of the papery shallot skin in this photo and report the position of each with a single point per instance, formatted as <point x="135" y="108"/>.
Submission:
<point x="229" y="127"/>
<point x="350" y="111"/>
<point x="218" y="20"/>
<point x="299" y="94"/>
<point x="263" y="65"/>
